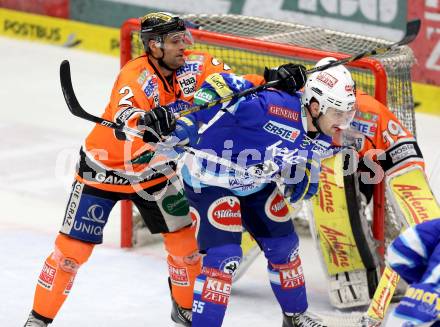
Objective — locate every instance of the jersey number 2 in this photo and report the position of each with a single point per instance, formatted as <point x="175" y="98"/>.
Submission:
<point x="128" y="93"/>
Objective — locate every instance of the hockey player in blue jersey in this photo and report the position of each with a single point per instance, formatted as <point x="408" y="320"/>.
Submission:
<point x="262" y="136"/>
<point x="415" y="256"/>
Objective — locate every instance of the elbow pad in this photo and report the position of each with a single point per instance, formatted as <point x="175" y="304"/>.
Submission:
<point x="400" y="154"/>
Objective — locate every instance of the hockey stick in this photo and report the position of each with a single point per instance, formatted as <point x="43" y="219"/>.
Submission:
<point x="381" y="299"/>
<point x="412" y="29"/>
<point x="77" y="110"/>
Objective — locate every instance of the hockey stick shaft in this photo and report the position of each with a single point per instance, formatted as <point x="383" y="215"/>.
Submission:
<point x="412" y="29"/>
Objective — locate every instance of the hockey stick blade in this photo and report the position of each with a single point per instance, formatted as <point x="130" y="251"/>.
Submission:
<point x="412" y="30"/>
<point x="77" y="110"/>
<point x="69" y="95"/>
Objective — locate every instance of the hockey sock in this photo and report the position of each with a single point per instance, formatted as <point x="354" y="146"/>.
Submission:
<point x="182" y="277"/>
<point x="58" y="274"/>
<point x="184" y="264"/>
<point x="285" y="272"/>
<point x="213" y="286"/>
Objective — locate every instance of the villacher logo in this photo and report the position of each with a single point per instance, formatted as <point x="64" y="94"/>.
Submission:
<point x="276" y="208"/>
<point x="225" y="214"/>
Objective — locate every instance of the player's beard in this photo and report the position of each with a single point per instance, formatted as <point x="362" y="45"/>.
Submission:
<point x="174" y="62"/>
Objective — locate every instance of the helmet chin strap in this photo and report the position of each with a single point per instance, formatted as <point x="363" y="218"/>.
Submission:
<point x="315" y="120"/>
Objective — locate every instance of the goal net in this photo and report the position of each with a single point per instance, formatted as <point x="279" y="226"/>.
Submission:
<point x="248" y="44"/>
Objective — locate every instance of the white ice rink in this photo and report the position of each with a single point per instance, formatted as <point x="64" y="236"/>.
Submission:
<point x="39" y="143"/>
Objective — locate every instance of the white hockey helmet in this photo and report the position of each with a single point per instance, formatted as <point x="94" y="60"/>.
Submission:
<point x="332" y="88"/>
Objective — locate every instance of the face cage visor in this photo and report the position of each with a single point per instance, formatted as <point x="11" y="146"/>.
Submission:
<point x="341" y="118"/>
<point x="175" y="39"/>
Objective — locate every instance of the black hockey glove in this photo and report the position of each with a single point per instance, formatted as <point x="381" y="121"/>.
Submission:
<point x="292" y="77"/>
<point x="158" y="122"/>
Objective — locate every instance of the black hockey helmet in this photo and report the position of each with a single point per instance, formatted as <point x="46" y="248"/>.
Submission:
<point x="156" y="26"/>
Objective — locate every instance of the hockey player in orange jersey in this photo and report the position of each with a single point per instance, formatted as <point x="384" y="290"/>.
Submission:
<point x="113" y="166"/>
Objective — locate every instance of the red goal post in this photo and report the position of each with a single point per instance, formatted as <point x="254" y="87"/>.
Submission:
<point x="251" y="54"/>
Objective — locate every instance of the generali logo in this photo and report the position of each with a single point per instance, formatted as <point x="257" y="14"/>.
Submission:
<point x="414" y="202"/>
<point x="338" y="246"/>
<point x="326" y="202"/>
<point x="283" y="112"/>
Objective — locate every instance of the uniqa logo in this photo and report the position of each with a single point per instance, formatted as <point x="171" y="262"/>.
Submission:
<point x="95" y="213"/>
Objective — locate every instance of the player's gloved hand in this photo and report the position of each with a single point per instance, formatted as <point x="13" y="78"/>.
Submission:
<point x="186" y="131"/>
<point x="292" y="77"/>
<point x="301" y="181"/>
<point x="158" y="122"/>
<point x="184" y="134"/>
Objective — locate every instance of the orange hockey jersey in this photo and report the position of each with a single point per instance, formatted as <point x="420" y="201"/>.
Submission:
<point x="381" y="130"/>
<point x="113" y="161"/>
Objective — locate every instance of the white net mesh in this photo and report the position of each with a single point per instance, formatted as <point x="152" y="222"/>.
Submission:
<point x="397" y="63"/>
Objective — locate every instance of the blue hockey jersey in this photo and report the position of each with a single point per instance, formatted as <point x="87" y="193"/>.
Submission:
<point x="262" y="133"/>
<point x="415" y="254"/>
